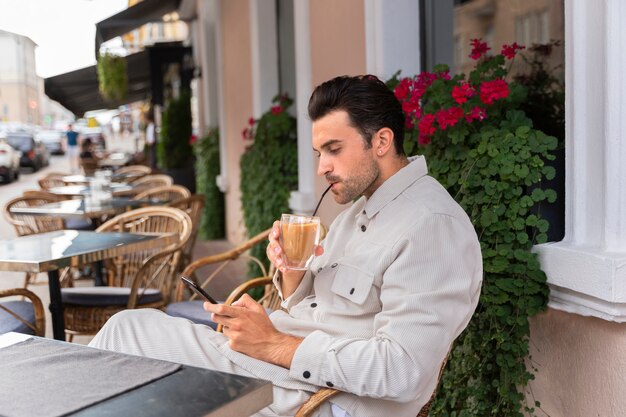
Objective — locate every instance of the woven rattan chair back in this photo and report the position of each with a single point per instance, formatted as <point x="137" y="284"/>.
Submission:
<point x="151" y="181"/>
<point x="193" y="206"/>
<point x="25" y="224"/>
<point x="52" y="179"/>
<point x="219" y="264"/>
<point x="39" y="326"/>
<point x="165" y="193"/>
<point x="122" y="271"/>
<point x="134" y="170"/>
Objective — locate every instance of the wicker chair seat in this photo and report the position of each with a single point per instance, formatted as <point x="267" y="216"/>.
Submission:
<point x="104" y="296"/>
<point x="8" y="323"/>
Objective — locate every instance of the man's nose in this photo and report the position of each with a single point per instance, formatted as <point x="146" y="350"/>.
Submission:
<point x="323" y="166"/>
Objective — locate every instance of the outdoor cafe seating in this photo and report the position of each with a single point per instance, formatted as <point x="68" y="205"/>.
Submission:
<point x="138" y="279"/>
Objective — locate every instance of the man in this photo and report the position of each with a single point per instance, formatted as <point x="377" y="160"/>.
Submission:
<point x="394" y="283"/>
<point x="72" y="147"/>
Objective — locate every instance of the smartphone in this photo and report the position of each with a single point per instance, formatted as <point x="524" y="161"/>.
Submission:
<point x="198" y="290"/>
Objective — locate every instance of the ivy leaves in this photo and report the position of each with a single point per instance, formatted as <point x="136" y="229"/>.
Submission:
<point x="207" y="152"/>
<point x="495" y="174"/>
<point x="269" y="171"/>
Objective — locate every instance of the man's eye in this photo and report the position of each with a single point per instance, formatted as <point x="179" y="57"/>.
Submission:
<point x="334" y="151"/>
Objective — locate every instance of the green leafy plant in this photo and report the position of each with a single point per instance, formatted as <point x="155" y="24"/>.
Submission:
<point x="112" y="77"/>
<point x="269" y="170"/>
<point x="207" y="152"/>
<point x="491" y="158"/>
<point x="174" y="149"/>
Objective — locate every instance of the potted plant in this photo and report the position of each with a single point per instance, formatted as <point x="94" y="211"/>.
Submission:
<point x="112" y="77"/>
<point x="174" y="149"/>
<point x="485" y="150"/>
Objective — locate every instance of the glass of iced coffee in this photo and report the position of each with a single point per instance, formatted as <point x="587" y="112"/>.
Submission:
<point x="299" y="234"/>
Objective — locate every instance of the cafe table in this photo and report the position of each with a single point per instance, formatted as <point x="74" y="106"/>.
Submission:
<point x="51" y="251"/>
<point x="84" y="179"/>
<point x="39" y="381"/>
<point x="117" y="189"/>
<point x="85" y="208"/>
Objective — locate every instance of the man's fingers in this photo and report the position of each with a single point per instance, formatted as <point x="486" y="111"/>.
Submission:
<point x="319" y="250"/>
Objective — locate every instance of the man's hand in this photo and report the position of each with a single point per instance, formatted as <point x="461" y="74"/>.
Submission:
<point x="251" y="332"/>
<point x="291" y="278"/>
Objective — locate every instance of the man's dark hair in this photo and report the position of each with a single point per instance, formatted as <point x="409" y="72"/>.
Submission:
<point x="370" y="105"/>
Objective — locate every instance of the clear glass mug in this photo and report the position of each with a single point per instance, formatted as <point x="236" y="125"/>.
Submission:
<point x="299" y="235"/>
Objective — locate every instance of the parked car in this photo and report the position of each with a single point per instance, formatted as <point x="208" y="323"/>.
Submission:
<point x="34" y="153"/>
<point x="53" y="141"/>
<point x="9" y="161"/>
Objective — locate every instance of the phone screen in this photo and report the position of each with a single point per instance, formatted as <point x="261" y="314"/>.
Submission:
<point x="198" y="290"/>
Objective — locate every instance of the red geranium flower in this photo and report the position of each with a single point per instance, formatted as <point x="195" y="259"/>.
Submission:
<point x="491" y="91"/>
<point x="462" y="93"/>
<point x="479" y="48"/>
<point x="509" y="51"/>
<point x="276" y="110"/>
<point x="477" y="113"/>
<point x="449" y="117"/>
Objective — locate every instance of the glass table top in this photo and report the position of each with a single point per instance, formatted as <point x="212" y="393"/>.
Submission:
<point x="84" y="207"/>
<point x="53" y="250"/>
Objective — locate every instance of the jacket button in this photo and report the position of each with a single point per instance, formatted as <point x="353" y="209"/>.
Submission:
<point x="330" y="384"/>
<point x="306" y="374"/>
<point x="319" y="269"/>
<point x="334" y="265"/>
<point x="363" y="228"/>
<point x="313" y="305"/>
<point x="352" y="291"/>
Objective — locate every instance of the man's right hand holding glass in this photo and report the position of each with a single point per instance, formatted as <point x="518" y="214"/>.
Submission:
<point x="290" y="278"/>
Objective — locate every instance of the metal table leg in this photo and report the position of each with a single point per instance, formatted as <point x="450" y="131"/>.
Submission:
<point x="56" y="305"/>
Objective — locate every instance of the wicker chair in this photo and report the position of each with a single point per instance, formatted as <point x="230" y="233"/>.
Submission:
<point x="151" y="181"/>
<point x="137" y="280"/>
<point x="193" y="206"/>
<point x="218" y="264"/>
<point x="52" y="179"/>
<point x="165" y="193"/>
<point x="134" y="170"/>
<point x="22" y="316"/>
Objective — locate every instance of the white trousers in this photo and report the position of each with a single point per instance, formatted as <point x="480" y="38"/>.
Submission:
<point x="154" y="334"/>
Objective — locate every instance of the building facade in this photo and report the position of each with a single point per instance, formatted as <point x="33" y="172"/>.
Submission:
<point x="19" y="85"/>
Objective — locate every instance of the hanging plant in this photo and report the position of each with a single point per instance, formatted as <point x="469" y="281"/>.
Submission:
<point x="112" y="77"/>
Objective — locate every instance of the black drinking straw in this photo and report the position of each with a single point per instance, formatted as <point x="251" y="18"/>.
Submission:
<point x="321" y="198"/>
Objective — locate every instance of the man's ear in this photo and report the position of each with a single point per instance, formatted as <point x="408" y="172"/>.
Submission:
<point x="383" y="141"/>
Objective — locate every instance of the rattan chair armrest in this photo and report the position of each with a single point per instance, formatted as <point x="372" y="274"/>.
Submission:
<point x="315" y="401"/>
<point x="244" y="288"/>
<point x="40" y="317"/>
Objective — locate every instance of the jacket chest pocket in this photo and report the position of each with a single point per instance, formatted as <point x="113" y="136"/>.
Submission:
<point x="352" y="283"/>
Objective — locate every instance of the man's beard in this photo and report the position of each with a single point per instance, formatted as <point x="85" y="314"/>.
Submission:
<point x="355" y="185"/>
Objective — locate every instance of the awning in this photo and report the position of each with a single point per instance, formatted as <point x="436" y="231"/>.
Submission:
<point x="78" y="90"/>
<point x="145" y="11"/>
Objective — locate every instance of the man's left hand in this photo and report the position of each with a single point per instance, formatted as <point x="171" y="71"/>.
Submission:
<point x="251" y="332"/>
